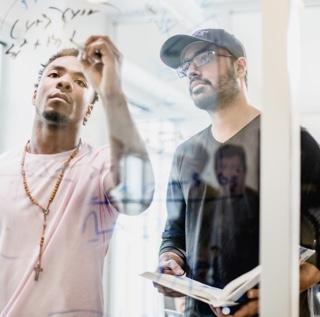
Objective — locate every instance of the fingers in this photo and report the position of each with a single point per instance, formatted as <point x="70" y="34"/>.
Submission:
<point x="217" y="311"/>
<point x="100" y="49"/>
<point x="248" y="310"/>
<point x="253" y="293"/>
<point x="251" y="308"/>
<point x="94" y="38"/>
<point x="309" y="276"/>
<point x="171" y="267"/>
<point x="170" y="263"/>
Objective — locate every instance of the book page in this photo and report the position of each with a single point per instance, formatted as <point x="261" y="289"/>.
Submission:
<point x="212" y="295"/>
<point x="236" y="288"/>
<point x="205" y="293"/>
<point x="305" y="254"/>
<point x="183" y="284"/>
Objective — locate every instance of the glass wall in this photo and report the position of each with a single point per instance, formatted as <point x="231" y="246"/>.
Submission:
<point x="208" y="180"/>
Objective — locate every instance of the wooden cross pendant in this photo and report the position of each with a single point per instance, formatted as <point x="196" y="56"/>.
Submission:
<point x="38" y="269"/>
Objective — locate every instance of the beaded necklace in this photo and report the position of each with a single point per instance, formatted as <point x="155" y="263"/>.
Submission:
<point x="45" y="210"/>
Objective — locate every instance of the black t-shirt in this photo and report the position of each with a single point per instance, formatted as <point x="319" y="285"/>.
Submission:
<point x="213" y="205"/>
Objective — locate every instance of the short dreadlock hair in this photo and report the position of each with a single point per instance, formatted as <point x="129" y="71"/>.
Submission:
<point x="64" y="52"/>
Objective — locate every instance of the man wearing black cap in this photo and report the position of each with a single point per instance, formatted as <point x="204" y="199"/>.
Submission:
<point x="212" y="230"/>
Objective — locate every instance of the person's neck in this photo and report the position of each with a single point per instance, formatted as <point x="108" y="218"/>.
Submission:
<point x="232" y="117"/>
<point x="47" y="139"/>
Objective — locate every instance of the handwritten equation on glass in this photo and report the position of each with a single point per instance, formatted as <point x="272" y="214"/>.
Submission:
<point x="26" y="31"/>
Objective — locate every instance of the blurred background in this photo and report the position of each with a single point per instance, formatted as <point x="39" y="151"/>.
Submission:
<point x="32" y="30"/>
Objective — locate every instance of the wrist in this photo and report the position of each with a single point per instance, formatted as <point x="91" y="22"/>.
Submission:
<point x="114" y="97"/>
<point x="113" y="92"/>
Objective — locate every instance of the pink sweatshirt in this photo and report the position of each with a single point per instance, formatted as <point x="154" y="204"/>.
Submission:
<point x="80" y="226"/>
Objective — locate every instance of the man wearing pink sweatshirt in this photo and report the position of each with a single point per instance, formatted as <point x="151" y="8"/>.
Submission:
<point x="60" y="197"/>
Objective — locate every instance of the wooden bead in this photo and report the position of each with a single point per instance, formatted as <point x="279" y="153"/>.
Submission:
<point x="45" y="211"/>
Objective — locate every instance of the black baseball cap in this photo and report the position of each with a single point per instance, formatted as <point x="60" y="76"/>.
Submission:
<point x="172" y="48"/>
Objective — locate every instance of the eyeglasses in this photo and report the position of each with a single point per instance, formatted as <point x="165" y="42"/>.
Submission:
<point x="200" y="59"/>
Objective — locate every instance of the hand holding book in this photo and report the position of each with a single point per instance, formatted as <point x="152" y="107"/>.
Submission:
<point x="229" y="296"/>
<point x="248" y="306"/>
<point x="172" y="264"/>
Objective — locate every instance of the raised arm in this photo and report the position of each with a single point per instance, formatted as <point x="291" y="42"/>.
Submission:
<point x="101" y="61"/>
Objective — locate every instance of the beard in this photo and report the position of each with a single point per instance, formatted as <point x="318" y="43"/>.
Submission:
<point x="210" y="98"/>
<point x="54" y="118"/>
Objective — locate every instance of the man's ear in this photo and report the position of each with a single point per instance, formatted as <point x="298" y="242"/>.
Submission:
<point x="241" y="67"/>
<point x="34" y="96"/>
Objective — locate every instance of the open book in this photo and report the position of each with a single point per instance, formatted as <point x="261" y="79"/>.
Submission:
<point x="214" y="296"/>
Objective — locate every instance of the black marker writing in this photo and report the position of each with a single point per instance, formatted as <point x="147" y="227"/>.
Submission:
<point x="23" y="43"/>
<point x="21" y="28"/>
<point x="12" y="30"/>
<point x="69" y="14"/>
<point x="11" y="52"/>
<point x="48" y="20"/>
<point x="36" y="44"/>
<point x="53" y="40"/>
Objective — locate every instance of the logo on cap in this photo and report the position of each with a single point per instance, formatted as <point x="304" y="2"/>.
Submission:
<point x="201" y="33"/>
